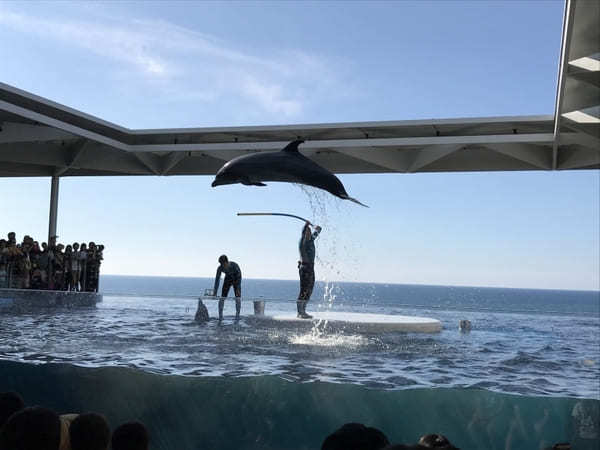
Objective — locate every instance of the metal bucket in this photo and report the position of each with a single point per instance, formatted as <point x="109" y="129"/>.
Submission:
<point x="259" y="307"/>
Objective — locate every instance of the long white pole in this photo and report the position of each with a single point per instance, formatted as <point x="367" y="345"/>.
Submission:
<point x="274" y="214"/>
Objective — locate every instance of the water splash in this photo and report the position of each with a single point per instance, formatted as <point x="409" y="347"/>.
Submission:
<point x="318" y="337"/>
<point x="333" y="247"/>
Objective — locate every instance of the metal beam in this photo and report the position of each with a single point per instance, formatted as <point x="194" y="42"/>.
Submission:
<point x="32" y="153"/>
<point x="77" y="131"/>
<point x="431" y="154"/>
<point x="74" y="152"/>
<point x="394" y="160"/>
<point x="583" y="139"/>
<point x="579" y="158"/>
<point x="149" y="161"/>
<point x="532" y="154"/>
<point x="562" y="75"/>
<point x="336" y="144"/>
<point x="12" y="132"/>
<point x="171" y="160"/>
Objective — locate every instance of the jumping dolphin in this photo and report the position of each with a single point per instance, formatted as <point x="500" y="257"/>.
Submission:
<point x="288" y="165"/>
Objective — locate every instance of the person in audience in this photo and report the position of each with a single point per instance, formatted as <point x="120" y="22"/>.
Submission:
<point x="43" y="260"/>
<point x="58" y="266"/>
<point x="24" y="263"/>
<point x="130" y="436"/>
<point x="68" y="283"/>
<point x="27" y="266"/>
<point x="99" y="258"/>
<point x="10" y="403"/>
<point x="65" y="424"/>
<point x="405" y="447"/>
<point x="75" y="267"/>
<point x="91" y="268"/>
<point x="436" y="441"/>
<point x="33" y="428"/>
<point x="355" y="436"/>
<point x="35" y="272"/>
<point x="83" y="256"/>
<point x="51" y="262"/>
<point x="3" y="263"/>
<point x="89" y="431"/>
<point x="13" y="254"/>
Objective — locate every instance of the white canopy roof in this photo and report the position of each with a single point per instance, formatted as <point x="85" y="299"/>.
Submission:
<point x="41" y="138"/>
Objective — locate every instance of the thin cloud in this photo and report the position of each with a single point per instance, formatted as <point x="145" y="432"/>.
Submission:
<point x="166" y="54"/>
<point x="119" y="44"/>
<point x="270" y="97"/>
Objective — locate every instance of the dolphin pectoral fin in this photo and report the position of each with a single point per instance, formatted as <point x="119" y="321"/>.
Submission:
<point x="247" y="182"/>
<point x="356" y="201"/>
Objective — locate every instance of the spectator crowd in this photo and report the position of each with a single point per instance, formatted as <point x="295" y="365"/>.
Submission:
<point x="52" y="266"/>
<point x="356" y="436"/>
<point x="39" y="428"/>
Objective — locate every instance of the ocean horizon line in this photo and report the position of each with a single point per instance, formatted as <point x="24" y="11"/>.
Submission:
<point x="370" y="283"/>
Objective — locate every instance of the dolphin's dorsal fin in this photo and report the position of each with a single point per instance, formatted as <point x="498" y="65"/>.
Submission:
<point x="293" y="146"/>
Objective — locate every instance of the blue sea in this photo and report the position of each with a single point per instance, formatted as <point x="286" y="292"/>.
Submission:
<point x="525" y="377"/>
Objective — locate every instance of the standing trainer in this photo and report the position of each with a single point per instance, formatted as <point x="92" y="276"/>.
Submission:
<point x="233" y="277"/>
<point x="306" y="267"/>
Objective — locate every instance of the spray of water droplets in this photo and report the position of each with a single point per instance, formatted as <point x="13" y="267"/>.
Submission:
<point x="333" y="247"/>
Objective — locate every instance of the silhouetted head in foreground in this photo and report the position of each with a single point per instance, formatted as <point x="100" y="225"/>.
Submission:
<point x="355" y="436"/>
<point x="405" y="447"/>
<point x="436" y="441"/>
<point x="33" y="428"/>
<point x="427" y="441"/>
<point x="10" y="403"/>
<point x="89" y="431"/>
<point x="130" y="436"/>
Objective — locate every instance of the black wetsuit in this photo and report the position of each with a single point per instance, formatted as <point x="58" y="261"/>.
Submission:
<point x="306" y="267"/>
<point x="233" y="277"/>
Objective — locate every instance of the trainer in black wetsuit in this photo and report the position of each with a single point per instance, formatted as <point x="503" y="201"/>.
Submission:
<point x="306" y="267"/>
<point x="233" y="277"/>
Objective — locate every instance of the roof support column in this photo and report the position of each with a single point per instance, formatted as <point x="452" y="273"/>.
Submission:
<point x="53" y="210"/>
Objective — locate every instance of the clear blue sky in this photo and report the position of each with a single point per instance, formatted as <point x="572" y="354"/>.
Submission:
<point x="195" y="64"/>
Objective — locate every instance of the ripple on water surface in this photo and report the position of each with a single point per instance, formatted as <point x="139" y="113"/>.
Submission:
<point x="541" y="357"/>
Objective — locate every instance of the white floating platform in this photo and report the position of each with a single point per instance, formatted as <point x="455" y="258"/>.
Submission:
<point x="370" y="323"/>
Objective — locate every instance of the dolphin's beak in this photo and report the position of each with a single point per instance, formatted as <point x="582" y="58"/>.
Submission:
<point x="215" y="183"/>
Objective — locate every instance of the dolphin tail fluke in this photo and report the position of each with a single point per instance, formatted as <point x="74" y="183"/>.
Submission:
<point x="356" y="201"/>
